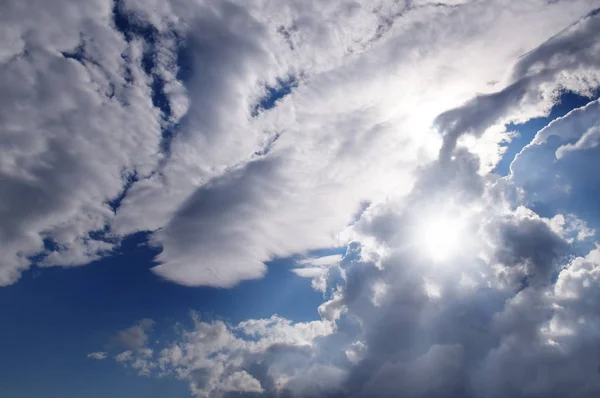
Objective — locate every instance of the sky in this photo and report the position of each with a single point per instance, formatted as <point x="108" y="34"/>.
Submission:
<point x="285" y="198"/>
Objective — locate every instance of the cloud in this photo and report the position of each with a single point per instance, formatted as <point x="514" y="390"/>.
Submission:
<point x="462" y="341"/>
<point x="133" y="119"/>
<point x="413" y="343"/>
<point x="314" y="200"/>
<point x="589" y="140"/>
<point x="217" y="358"/>
<point x="407" y="325"/>
<point x="527" y="247"/>
<point x="241" y="382"/>
<point x="72" y="127"/>
<point x="551" y="347"/>
<point x="134" y="337"/>
<point x="317" y="269"/>
<point x="97" y="355"/>
<point x="566" y="61"/>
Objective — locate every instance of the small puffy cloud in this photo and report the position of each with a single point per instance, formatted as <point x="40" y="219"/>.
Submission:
<point x="578" y="282"/>
<point x="97" y="355"/>
<point x="317" y="269"/>
<point x="124" y="356"/>
<point x="356" y="351"/>
<point x="134" y="337"/>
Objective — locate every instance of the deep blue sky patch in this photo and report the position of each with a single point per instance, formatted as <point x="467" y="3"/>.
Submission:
<point x="527" y="131"/>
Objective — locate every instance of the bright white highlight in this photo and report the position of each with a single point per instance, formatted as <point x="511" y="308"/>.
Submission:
<point x="439" y="236"/>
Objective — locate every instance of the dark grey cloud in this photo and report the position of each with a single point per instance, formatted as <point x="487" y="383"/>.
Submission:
<point x="529" y="249"/>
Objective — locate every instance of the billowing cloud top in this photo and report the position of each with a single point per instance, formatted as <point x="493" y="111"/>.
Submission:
<point x="232" y="133"/>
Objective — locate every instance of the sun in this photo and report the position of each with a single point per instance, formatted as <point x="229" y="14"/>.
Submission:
<point x="439" y="236"/>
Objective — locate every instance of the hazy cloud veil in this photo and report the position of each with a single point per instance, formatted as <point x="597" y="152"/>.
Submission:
<point x="236" y="132"/>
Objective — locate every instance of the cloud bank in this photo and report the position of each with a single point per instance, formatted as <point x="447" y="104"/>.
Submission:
<point x="127" y="116"/>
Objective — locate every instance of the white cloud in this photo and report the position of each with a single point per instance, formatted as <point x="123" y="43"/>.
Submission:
<point x="589" y="140"/>
<point x="325" y="261"/>
<point x="216" y="358"/>
<point x="97" y="355"/>
<point x="70" y="130"/>
<point x="317" y="269"/>
<point x="241" y="382"/>
<point x="370" y="77"/>
<point x="298" y="199"/>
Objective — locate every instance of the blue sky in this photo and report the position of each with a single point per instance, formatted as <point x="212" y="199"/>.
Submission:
<point x="221" y="199"/>
<point x="526" y="131"/>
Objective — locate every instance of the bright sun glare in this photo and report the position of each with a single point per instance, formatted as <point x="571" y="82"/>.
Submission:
<point x="439" y="236"/>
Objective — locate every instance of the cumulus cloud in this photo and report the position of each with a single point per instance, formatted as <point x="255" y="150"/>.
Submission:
<point x="254" y="356"/>
<point x="463" y="341"/>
